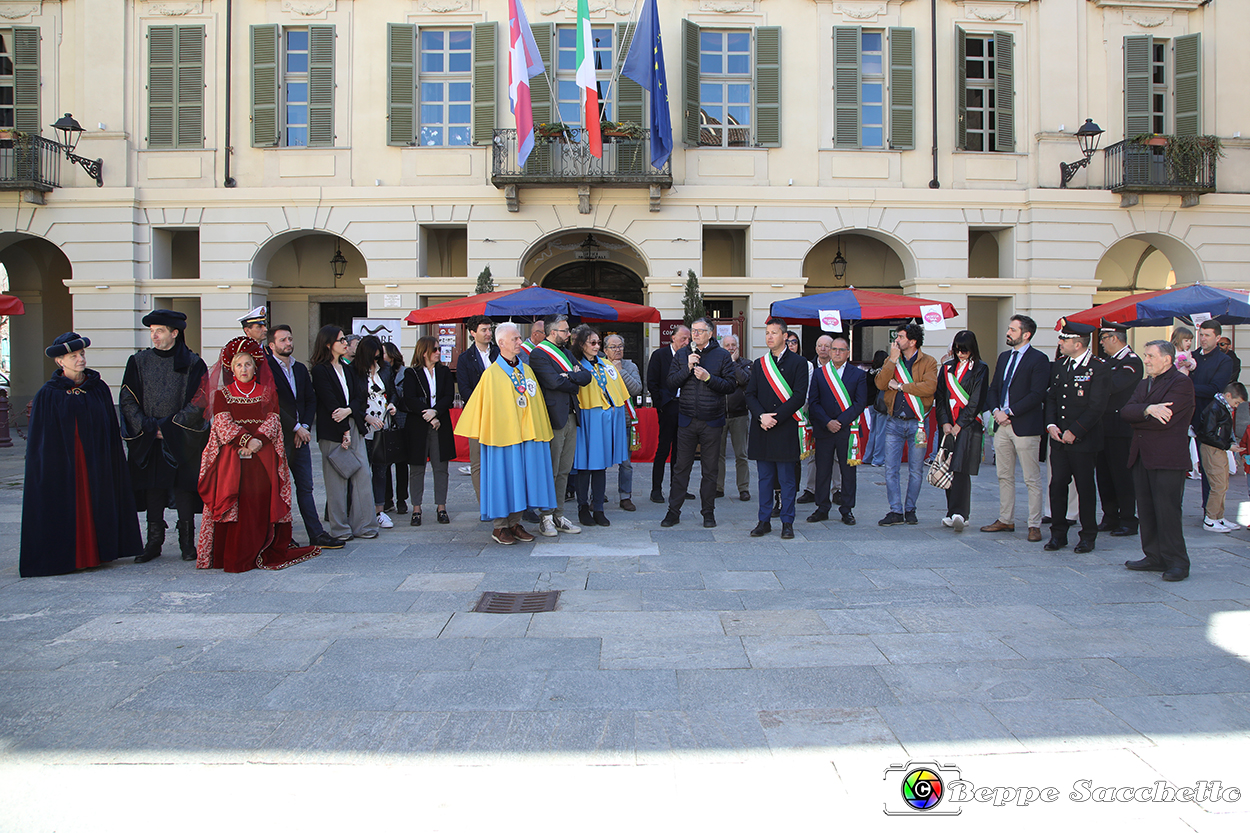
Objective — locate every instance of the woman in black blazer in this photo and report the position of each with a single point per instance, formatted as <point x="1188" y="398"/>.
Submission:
<point x="340" y="424"/>
<point x="965" y="377"/>
<point x="428" y="427"/>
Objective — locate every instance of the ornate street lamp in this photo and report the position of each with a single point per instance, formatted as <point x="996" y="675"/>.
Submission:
<point x="1087" y="138"/>
<point x="839" y="263"/>
<point x="338" y="263"/>
<point x="71" y="131"/>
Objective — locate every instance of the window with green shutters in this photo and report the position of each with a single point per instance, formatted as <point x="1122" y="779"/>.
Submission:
<point x="985" y="91"/>
<point x="176" y="87"/>
<point x="541" y="99"/>
<point x="868" y="112"/>
<point x="293" y="86"/>
<point x="1155" y="98"/>
<point x="441" y="85"/>
<point x="731" y="86"/>
<point x="19" y="79"/>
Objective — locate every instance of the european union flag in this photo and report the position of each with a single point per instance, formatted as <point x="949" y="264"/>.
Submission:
<point x="645" y="65"/>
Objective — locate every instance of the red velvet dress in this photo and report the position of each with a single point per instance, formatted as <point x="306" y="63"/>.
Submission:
<point x="247" y="502"/>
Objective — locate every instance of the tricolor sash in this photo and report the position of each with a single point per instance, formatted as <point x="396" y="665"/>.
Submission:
<point x="631" y="419"/>
<point x="527" y="346"/>
<point x="783" y="390"/>
<point x="859" y="432"/>
<point x="958" y="395"/>
<point x="913" y="401"/>
<point x="556" y="354"/>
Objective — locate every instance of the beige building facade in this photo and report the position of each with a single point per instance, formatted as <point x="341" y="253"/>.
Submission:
<point x="801" y="128"/>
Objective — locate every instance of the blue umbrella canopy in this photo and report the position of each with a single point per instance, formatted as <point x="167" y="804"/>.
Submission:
<point x="1157" y="309"/>
<point x="533" y="301"/>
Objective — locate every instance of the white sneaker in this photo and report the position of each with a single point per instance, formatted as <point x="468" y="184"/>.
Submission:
<point x="958" y="522"/>
<point x="948" y="522"/>
<point x="547" y="527"/>
<point x="1215" y="526"/>
<point x="465" y="470"/>
<point x="1231" y="526"/>
<point x="565" y="525"/>
<point x="385" y="521"/>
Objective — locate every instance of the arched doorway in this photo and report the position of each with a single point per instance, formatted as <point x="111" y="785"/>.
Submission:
<point x="604" y="280"/>
<point x="872" y="263"/>
<point x="36" y="272"/>
<point x="1138" y="264"/>
<point x="304" y="291"/>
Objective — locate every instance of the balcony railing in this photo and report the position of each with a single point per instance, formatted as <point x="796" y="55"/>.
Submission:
<point x="1133" y="166"/>
<point x="29" y="163"/>
<point x="566" y="160"/>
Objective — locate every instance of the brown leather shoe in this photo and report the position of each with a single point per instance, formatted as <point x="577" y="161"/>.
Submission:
<point x="504" y="536"/>
<point x="999" y="526"/>
<point x="1035" y="534"/>
<point x="519" y="533"/>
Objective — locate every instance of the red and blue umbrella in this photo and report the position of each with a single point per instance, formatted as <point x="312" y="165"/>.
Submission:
<point x="859" y="305"/>
<point x="533" y="301"/>
<point x="1157" y="309"/>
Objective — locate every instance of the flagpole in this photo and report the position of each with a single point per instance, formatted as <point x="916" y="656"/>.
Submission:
<point x="619" y="63"/>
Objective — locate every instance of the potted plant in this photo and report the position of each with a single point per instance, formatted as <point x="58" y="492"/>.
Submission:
<point x="622" y="130"/>
<point x="555" y="131"/>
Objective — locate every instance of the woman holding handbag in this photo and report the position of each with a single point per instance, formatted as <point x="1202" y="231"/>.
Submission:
<point x="379" y="408"/>
<point x="962" y="384"/>
<point x="426" y="395"/>
<point x="340" y="421"/>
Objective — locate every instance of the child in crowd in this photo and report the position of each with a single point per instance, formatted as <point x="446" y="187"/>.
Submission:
<point x="1215" y="439"/>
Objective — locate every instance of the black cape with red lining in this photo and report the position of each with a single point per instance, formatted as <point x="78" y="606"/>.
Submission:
<point x="63" y="506"/>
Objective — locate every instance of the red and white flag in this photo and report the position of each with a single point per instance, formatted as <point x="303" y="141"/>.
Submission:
<point x="523" y="64"/>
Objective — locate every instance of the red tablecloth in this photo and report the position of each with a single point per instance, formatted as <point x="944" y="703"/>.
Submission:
<point x="648" y="434"/>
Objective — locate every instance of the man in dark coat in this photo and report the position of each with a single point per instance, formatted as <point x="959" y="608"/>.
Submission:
<point x="78" y="509"/>
<point x="1213" y="373"/>
<point x="704" y="373"/>
<point x="1115" y="480"/>
<point x="1074" y="412"/>
<point x="163" y="425"/>
<point x="1160" y="410"/>
<point x="560" y="378"/>
<point x="835" y="400"/>
<point x="470" y="366"/>
<point x="776" y="437"/>
<point x="297" y="410"/>
<point x="664" y="400"/>
<point x="737" y="422"/>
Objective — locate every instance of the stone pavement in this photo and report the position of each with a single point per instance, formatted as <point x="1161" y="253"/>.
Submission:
<point x="689" y="677"/>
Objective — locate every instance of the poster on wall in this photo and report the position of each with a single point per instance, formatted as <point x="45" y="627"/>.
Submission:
<point x="446" y="342"/>
<point x="386" y="329"/>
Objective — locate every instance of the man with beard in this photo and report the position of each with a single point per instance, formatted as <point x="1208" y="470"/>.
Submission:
<point x="560" y="378"/>
<point x="163" y="425"/>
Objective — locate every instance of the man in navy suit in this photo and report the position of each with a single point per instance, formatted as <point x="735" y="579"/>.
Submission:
<point x="1018" y="398"/>
<point x="297" y="408"/>
<point x="472" y="363"/>
<point x="837" y="396"/>
<point x="664" y="400"/>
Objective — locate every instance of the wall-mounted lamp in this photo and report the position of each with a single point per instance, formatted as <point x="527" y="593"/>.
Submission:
<point x="1087" y="138"/>
<point x="71" y="131"/>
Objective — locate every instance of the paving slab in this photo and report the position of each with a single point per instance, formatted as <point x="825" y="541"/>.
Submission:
<point x="624" y="652"/>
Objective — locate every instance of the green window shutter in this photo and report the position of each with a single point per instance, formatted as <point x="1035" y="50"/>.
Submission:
<point x="1005" y="92"/>
<point x="485" y="47"/>
<point x="690" y="82"/>
<point x="1137" y="85"/>
<point x="401" y="84"/>
<point x="628" y="92"/>
<point x="846" y="86"/>
<point x="265" y="86"/>
<point x="190" y="87"/>
<point x="26" y="79"/>
<point x="1188" y="62"/>
<point x="902" y="89"/>
<point x="161" y="71"/>
<point x="540" y="99"/>
<point x="321" y="86"/>
<point x="768" y="86"/>
<point x="961" y="87"/>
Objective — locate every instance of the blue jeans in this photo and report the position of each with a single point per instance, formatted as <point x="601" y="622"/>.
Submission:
<point x="875" y="453"/>
<point x="899" y="433"/>
<point x="299" y="460"/>
<point x="625" y="480"/>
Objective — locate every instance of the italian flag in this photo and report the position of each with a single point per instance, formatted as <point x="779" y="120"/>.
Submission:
<point x="586" y="79"/>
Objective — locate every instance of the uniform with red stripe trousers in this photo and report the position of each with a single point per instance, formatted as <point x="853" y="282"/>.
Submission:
<point x="837" y="397"/>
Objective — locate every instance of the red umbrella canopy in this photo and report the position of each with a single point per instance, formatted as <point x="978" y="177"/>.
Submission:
<point x="1157" y="309"/>
<point x="11" y="306"/>
<point x="856" y="305"/>
<point x="534" y="301"/>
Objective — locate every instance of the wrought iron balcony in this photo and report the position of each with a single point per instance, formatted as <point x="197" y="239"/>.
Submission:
<point x="30" y="163"/>
<point x="1160" y="165"/>
<point x="565" y="159"/>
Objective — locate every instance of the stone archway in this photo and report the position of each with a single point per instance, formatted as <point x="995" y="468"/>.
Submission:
<point x="875" y="261"/>
<point x="303" y="291"/>
<point x="1144" y="263"/>
<point x="36" y="272"/>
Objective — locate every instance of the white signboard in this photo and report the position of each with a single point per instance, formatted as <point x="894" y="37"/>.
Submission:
<point x="831" y="320"/>
<point x="1199" y="317"/>
<point x="931" y="315"/>
<point x="723" y="330"/>
<point x="390" y="301"/>
<point x="386" y="329"/>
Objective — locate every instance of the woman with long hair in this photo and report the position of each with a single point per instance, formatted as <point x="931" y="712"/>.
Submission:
<point x="379" y="407"/>
<point x="602" y="432"/>
<point x="340" y="423"/>
<point x="395" y="371"/>
<point x="425" y="394"/>
<point x="244" y="479"/>
<point x="962" y="385"/>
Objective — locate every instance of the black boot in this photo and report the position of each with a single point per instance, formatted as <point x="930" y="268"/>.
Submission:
<point x="186" y="539"/>
<point x="156" y="539"/>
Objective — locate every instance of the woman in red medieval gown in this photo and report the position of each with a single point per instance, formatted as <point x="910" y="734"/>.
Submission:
<point x="244" y="479"/>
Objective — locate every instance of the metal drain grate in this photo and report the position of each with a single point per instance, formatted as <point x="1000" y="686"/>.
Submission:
<point x="517" y="602"/>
